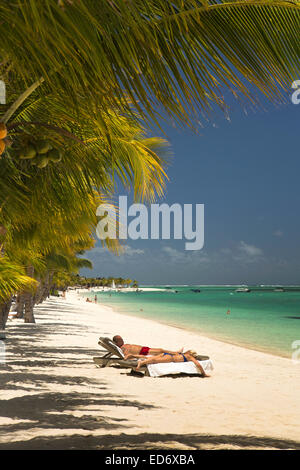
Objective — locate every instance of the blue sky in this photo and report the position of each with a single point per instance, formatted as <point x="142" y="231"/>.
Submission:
<point x="246" y="173"/>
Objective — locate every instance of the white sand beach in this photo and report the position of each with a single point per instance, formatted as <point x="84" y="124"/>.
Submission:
<point x="52" y="395"/>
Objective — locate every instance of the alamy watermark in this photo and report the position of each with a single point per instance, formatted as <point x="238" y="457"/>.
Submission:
<point x="296" y="94"/>
<point x="2" y="352"/>
<point x="2" y="92"/>
<point x="296" y="354"/>
<point x="296" y="344"/>
<point x="180" y="222"/>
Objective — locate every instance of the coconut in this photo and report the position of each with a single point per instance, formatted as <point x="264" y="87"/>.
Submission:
<point x="41" y="161"/>
<point x="2" y="146"/>
<point x="20" y="155"/>
<point x="8" y="142"/>
<point x="43" y="146"/>
<point x="3" y="130"/>
<point x="54" y="155"/>
<point x="28" y="153"/>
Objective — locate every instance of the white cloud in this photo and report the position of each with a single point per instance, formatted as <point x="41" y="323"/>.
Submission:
<point x="99" y="249"/>
<point x="250" y="250"/>
<point x="175" y="255"/>
<point x="247" y="253"/>
<point x="242" y="253"/>
<point x="278" y="233"/>
<point x="226" y="251"/>
<point x="129" y="251"/>
<point x="185" y="256"/>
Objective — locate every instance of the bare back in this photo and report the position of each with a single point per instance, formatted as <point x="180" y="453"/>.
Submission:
<point x="131" y="349"/>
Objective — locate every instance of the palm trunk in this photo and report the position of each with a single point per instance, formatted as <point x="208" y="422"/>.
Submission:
<point x="39" y="292"/>
<point x="28" y="314"/>
<point x="47" y="285"/>
<point x="29" y="300"/>
<point x="4" y="311"/>
<point x="20" y="303"/>
<point x="4" y="306"/>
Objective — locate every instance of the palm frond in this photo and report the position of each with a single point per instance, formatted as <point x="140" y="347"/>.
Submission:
<point x="159" y="53"/>
<point x="13" y="279"/>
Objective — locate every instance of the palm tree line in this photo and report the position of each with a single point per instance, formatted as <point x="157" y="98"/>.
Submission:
<point x="48" y="211"/>
<point x="63" y="281"/>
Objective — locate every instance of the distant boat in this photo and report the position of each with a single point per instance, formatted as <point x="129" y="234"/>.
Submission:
<point x="195" y="290"/>
<point x="243" y="289"/>
<point x="113" y="285"/>
<point x="279" y="289"/>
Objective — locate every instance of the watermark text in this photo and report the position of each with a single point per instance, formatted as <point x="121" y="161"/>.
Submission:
<point x="180" y="222"/>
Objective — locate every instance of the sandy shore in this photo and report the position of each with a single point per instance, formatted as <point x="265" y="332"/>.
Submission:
<point x="52" y="396"/>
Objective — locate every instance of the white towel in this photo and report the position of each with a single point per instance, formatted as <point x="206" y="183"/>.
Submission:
<point x="166" y="368"/>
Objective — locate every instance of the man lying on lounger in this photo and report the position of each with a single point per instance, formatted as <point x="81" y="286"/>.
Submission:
<point x="134" y="350"/>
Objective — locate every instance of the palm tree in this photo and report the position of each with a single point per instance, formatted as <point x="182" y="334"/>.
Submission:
<point x="76" y="184"/>
<point x="176" y="55"/>
<point x="12" y="279"/>
<point x="81" y="73"/>
<point x="128" y="282"/>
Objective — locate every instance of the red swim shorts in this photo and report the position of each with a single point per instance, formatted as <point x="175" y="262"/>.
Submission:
<point x="144" y="351"/>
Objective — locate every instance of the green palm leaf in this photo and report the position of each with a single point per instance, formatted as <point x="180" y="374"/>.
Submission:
<point x="170" y="53"/>
<point x="13" y="279"/>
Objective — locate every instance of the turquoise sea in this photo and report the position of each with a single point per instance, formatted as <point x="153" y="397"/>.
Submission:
<point x="261" y="319"/>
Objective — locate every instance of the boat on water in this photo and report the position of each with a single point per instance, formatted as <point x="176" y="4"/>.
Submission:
<point x="279" y="289"/>
<point x="195" y="290"/>
<point x="243" y="289"/>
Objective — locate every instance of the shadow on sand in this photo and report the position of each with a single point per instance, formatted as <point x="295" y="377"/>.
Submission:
<point x="151" y="441"/>
<point x="76" y="405"/>
<point x="58" y="398"/>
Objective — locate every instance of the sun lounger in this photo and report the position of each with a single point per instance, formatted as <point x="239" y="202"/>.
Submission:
<point x="115" y="356"/>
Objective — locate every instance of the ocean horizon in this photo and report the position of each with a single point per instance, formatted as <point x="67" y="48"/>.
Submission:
<point x="262" y="319"/>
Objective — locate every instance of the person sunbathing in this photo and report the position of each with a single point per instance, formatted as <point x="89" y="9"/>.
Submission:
<point x="135" y="350"/>
<point x="175" y="357"/>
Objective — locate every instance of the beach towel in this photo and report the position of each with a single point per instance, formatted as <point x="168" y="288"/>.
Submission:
<point x="166" y="368"/>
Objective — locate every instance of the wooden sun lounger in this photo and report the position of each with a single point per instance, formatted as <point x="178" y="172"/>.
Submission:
<point x="113" y="356"/>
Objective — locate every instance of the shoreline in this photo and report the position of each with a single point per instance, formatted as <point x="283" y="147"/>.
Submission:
<point x="52" y="396"/>
<point x="191" y="329"/>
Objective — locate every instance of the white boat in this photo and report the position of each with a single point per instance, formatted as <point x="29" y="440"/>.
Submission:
<point x="243" y="289"/>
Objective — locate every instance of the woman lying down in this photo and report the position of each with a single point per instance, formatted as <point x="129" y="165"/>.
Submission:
<point x="168" y="357"/>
